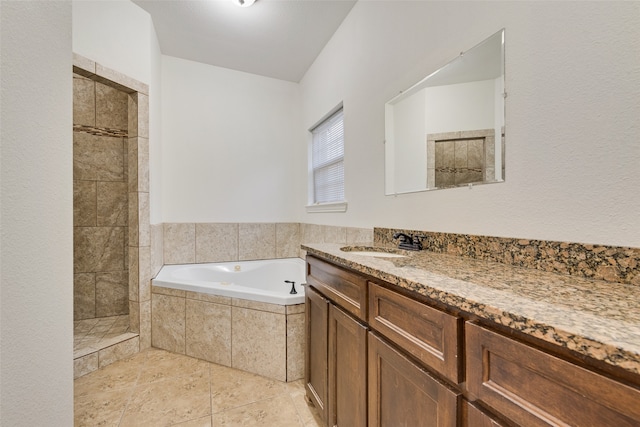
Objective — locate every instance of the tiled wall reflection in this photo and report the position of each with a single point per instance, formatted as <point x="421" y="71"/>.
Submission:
<point x="100" y="200"/>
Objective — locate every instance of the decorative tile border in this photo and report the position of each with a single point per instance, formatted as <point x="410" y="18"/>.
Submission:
<point x="117" y="133"/>
<point x="608" y="263"/>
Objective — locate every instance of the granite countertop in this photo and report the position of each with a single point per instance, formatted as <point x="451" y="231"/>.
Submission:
<point x="594" y="318"/>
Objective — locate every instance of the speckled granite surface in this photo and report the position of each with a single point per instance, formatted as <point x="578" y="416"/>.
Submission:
<point x="608" y="263"/>
<point x="591" y="317"/>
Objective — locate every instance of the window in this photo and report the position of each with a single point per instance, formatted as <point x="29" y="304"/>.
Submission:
<point x="327" y="164"/>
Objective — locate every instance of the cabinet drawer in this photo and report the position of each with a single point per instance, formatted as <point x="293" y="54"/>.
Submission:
<point x="430" y="335"/>
<point x="533" y="388"/>
<point x="346" y="289"/>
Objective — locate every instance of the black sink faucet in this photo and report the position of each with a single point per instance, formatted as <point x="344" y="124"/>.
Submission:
<point x="410" y="243"/>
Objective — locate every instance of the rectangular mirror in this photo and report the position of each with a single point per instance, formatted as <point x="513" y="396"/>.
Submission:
<point x="448" y="129"/>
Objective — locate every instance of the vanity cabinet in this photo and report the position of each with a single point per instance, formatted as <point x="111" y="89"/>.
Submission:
<point x="378" y="357"/>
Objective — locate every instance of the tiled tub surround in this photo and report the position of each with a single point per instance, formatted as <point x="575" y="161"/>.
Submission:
<point x="589" y="317"/>
<point x="112" y="107"/>
<point x="608" y="263"/>
<point x="190" y="243"/>
<point x="265" y="339"/>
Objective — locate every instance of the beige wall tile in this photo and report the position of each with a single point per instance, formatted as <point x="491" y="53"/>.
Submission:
<point x="85" y="364"/>
<point x="208" y="331"/>
<point x="84" y="101"/>
<point x="142" y="119"/>
<point x="295" y="346"/>
<point x="168" y="323"/>
<point x="131" y="154"/>
<point x="145" y="325"/>
<point x="179" y="243"/>
<point x="118" y="351"/>
<point x="84" y="204"/>
<point x="143" y="164"/>
<point x="259" y="342"/>
<point x="112" y="294"/>
<point x="295" y="309"/>
<point x="287" y="240"/>
<point x="216" y="242"/>
<point x="97" y="158"/>
<point x="359" y="236"/>
<point x="333" y="234"/>
<point x="217" y="299"/>
<point x="119" y="81"/>
<point x="261" y="306"/>
<point x="167" y="291"/>
<point x="144" y="238"/>
<point x="84" y="296"/>
<point x="83" y="66"/>
<point x="256" y="241"/>
<point x="134" y="279"/>
<point x="313" y="233"/>
<point x="112" y="204"/>
<point x="134" y="317"/>
<point x="111" y="108"/>
<point x="133" y="220"/>
<point x="157" y="260"/>
<point x="144" y="273"/>
<point x="98" y="249"/>
<point x="132" y="113"/>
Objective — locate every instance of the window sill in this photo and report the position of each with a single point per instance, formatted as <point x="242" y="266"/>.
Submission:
<point x="327" y="207"/>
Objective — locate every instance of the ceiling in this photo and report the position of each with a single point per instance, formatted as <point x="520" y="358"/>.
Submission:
<point x="273" y="38"/>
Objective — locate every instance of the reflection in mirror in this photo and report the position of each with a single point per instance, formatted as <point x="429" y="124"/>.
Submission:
<point x="448" y="129"/>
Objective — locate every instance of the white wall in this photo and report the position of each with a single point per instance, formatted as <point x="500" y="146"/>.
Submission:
<point x="36" y="213"/>
<point x="572" y="127"/>
<point x="120" y="35"/>
<point x="231" y="145"/>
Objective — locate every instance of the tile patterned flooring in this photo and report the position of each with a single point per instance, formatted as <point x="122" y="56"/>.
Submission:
<point x="159" y="388"/>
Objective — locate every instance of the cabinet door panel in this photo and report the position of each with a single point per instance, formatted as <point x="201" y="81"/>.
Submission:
<point x="316" y="373"/>
<point x="347" y="370"/>
<point x="428" y="334"/>
<point x="403" y="395"/>
<point x="345" y="288"/>
<point x="534" y="388"/>
<point x="477" y="418"/>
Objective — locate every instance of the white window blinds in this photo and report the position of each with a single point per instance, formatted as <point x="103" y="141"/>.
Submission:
<point x="327" y="155"/>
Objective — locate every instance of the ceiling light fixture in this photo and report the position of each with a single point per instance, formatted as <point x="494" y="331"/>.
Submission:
<point x="244" y="3"/>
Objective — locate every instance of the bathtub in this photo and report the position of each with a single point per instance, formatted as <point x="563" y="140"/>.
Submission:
<point x="262" y="280"/>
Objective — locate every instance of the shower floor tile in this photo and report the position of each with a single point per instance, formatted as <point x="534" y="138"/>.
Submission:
<point x="156" y="387"/>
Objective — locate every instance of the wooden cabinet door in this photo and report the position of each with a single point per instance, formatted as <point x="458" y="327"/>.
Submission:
<point x="316" y="350"/>
<point x="347" y="370"/>
<point x="403" y="395"/>
<point x="477" y="418"/>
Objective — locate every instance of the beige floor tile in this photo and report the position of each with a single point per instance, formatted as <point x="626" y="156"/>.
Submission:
<point x="169" y="401"/>
<point x="100" y="408"/>
<point x="231" y="388"/>
<point x="162" y="364"/>
<point x="122" y="374"/>
<point x="199" y="422"/>
<point x="276" y="411"/>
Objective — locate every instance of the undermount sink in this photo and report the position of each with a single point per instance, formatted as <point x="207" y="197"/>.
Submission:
<point x="371" y="252"/>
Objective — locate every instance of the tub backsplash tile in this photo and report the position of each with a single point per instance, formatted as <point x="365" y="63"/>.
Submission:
<point x="258" y="241"/>
<point x="608" y="263"/>
<point x="287" y="240"/>
<point x="179" y="243"/>
<point x="216" y="242"/>
<point x="157" y="248"/>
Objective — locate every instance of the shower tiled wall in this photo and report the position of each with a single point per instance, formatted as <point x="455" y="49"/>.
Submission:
<point x="133" y="118"/>
<point x="100" y="178"/>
